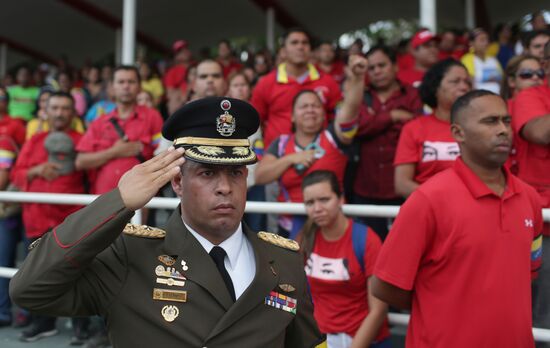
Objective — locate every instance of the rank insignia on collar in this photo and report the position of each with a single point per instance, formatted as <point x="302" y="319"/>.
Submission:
<point x="287" y="287"/>
<point x="279" y="241"/>
<point x="280" y="301"/>
<point x="170" y="313"/>
<point x="167" y="259"/>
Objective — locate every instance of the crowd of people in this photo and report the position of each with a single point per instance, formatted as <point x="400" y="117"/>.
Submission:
<point x="357" y="127"/>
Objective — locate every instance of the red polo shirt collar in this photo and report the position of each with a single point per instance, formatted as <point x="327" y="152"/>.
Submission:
<point x="478" y="188"/>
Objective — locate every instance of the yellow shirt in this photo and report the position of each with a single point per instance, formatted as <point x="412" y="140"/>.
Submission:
<point x="37" y="125"/>
<point x="153" y="86"/>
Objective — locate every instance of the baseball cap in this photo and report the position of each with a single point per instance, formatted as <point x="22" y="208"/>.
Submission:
<point x="179" y="45"/>
<point x="422" y="37"/>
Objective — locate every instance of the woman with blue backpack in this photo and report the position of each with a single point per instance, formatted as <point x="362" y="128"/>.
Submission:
<point x="339" y="255"/>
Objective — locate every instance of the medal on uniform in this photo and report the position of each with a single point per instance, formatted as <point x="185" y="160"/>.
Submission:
<point x="170" y="272"/>
<point x="184" y="265"/>
<point x="170" y="313"/>
<point x="167" y="260"/>
<point x="170" y="282"/>
<point x="280" y="301"/>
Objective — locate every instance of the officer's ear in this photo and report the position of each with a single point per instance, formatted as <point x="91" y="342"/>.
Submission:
<point x="177" y="184"/>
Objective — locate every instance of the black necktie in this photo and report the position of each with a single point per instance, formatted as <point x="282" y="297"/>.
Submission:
<point x="218" y="255"/>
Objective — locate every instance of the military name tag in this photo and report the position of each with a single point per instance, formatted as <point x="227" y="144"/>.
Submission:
<point x="280" y="301"/>
<point x="169" y="295"/>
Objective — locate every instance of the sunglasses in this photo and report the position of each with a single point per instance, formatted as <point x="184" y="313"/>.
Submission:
<point x="529" y="73"/>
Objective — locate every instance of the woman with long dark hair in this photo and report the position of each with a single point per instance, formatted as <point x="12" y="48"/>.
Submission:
<point x="339" y="256"/>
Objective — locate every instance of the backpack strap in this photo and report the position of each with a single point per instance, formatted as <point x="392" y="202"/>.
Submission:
<point x="359" y="240"/>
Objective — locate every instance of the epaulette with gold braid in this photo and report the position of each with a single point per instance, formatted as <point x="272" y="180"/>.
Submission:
<point x="279" y="241"/>
<point x="144" y="231"/>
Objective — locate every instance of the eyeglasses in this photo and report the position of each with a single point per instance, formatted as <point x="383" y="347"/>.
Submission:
<point x="3" y="97"/>
<point x="529" y="73"/>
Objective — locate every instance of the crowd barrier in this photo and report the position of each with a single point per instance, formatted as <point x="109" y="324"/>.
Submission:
<point x="541" y="335"/>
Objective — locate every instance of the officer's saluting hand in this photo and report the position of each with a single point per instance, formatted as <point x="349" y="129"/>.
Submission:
<point x="143" y="181"/>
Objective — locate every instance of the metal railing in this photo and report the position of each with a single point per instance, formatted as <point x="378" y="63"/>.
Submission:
<point x="540" y="335"/>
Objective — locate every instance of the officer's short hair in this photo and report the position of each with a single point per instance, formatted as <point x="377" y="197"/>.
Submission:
<point x="464" y="101"/>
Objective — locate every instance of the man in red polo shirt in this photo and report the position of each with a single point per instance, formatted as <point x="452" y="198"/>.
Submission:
<point x="327" y="62"/>
<point x="274" y="92"/>
<point x="387" y="104"/>
<point x="531" y="123"/>
<point x="425" y="52"/>
<point x="466" y="244"/>
<point x="119" y="140"/>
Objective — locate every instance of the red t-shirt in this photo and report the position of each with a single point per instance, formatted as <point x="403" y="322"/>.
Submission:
<point x="38" y="218"/>
<point x="144" y="125"/>
<point x="233" y="65"/>
<point x="332" y="159"/>
<point x="405" y="61"/>
<point x="533" y="160"/>
<point x="12" y="136"/>
<point x="175" y="77"/>
<point x="338" y="285"/>
<point x="337" y="71"/>
<point x="411" y="76"/>
<point x="273" y="96"/>
<point x="427" y="142"/>
<point x="466" y="254"/>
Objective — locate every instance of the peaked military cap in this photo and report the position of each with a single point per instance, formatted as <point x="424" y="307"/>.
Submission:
<point x="214" y="130"/>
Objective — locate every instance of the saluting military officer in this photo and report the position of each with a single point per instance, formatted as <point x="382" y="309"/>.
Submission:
<point x="206" y="280"/>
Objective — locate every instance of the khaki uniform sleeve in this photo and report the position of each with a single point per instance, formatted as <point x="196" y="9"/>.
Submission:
<point x="78" y="268"/>
<point x="303" y="332"/>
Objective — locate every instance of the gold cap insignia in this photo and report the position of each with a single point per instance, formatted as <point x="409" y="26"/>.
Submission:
<point x="279" y="241"/>
<point x="144" y="231"/>
<point x="226" y="123"/>
<point x="287" y="287"/>
<point x="210" y="150"/>
<point x="170" y="313"/>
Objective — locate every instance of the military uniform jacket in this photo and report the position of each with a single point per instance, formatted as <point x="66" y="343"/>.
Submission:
<point x="85" y="266"/>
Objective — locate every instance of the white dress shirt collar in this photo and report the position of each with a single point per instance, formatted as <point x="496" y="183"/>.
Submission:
<point x="231" y="245"/>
